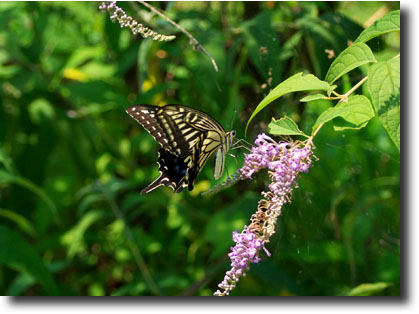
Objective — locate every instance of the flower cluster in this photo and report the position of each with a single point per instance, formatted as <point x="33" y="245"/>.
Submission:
<point x="284" y="162"/>
<point x="242" y="254"/>
<point x="278" y="157"/>
<point x="119" y="15"/>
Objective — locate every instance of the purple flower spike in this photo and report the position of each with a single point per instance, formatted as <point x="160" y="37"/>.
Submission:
<point x="242" y="255"/>
<point x="284" y="161"/>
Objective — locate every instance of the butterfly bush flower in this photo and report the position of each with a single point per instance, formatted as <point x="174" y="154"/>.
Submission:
<point x="284" y="161"/>
<point x="119" y="15"/>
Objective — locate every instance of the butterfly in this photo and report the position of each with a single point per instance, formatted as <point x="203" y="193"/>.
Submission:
<point x="188" y="137"/>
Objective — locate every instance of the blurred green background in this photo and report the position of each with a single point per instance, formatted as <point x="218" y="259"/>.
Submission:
<point x="72" y="162"/>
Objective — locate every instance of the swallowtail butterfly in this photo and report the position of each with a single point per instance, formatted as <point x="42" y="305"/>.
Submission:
<point x="188" y="137"/>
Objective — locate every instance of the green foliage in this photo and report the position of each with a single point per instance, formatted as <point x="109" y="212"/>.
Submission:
<point x="388" y="23"/>
<point x="356" y="112"/>
<point x="72" y="162"/>
<point x="284" y="126"/>
<point x="17" y="254"/>
<point x="384" y="86"/>
<point x="351" y="58"/>
<point x="297" y="82"/>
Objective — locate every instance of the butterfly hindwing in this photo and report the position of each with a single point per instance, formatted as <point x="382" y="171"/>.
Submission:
<point x="188" y="138"/>
<point x="173" y="171"/>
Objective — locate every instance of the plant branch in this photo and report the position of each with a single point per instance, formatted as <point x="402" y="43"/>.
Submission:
<point x="195" y="43"/>
<point x="343" y="98"/>
<point x="357" y="85"/>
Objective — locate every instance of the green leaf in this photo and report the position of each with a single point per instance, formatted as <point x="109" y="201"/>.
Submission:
<point x="388" y="23"/>
<point x="331" y="89"/>
<point x="20" y="284"/>
<point x="313" y="97"/>
<point x="367" y="289"/>
<point x="351" y="58"/>
<point x="284" y="126"/>
<point x="384" y="87"/>
<point x="356" y="111"/>
<point x="297" y="82"/>
<point x="5" y="160"/>
<point x="24" y="224"/>
<point x="83" y="55"/>
<point x="6" y="177"/>
<point x="74" y="238"/>
<point x="16" y="253"/>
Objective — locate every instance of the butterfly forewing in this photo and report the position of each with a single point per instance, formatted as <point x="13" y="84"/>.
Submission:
<point x="188" y="138"/>
<point x="146" y="116"/>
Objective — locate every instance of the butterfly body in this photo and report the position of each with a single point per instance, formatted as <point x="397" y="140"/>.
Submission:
<point x="188" y="137"/>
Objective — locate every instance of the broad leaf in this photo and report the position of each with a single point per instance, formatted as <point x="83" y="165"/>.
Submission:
<point x="284" y="126"/>
<point x="388" y="23"/>
<point x="297" y="82"/>
<point x="351" y="58"/>
<point x="384" y="87"/>
<point x="356" y="111"/>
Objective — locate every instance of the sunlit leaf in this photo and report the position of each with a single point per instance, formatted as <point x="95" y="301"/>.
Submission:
<point x="284" y="126"/>
<point x="384" y="87"/>
<point x="351" y="58"/>
<point x="313" y="97"/>
<point x="388" y="23"/>
<point x="297" y="82"/>
<point x="356" y="111"/>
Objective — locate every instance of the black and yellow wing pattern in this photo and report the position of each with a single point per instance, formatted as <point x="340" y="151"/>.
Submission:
<point x="188" y="137"/>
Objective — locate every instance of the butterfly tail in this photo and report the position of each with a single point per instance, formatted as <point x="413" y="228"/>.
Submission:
<point x="173" y="172"/>
<point x="162" y="180"/>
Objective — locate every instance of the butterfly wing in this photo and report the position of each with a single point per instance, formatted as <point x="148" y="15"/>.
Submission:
<point x="146" y="115"/>
<point x="220" y="154"/>
<point x="188" y="138"/>
<point x="173" y="171"/>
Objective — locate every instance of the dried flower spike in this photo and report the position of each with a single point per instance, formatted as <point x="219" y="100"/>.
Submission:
<point x="119" y="15"/>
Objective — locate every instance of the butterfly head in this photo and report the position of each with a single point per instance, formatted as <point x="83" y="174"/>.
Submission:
<point x="229" y="137"/>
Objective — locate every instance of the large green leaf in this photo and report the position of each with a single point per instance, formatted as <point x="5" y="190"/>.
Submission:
<point x="16" y="253"/>
<point x="384" y="87"/>
<point x="356" y="111"/>
<point x="351" y="58"/>
<point x="297" y="82"/>
<point x="388" y="23"/>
